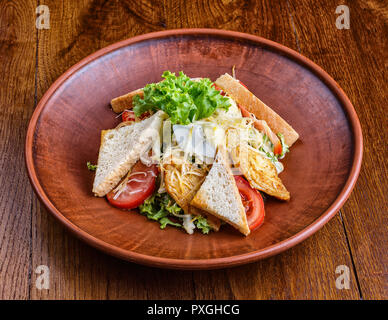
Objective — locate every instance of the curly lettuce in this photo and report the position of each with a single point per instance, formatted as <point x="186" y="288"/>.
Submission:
<point x="202" y="224"/>
<point x="161" y="207"/>
<point x="183" y="99"/>
<point x="158" y="207"/>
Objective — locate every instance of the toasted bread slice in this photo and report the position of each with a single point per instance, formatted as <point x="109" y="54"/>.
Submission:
<point x="258" y="170"/>
<point x="120" y="149"/>
<point x="254" y="105"/>
<point x="261" y="174"/>
<point x="124" y="102"/>
<point x="219" y="195"/>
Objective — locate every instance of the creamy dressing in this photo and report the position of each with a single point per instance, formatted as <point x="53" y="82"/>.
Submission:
<point x="188" y="223"/>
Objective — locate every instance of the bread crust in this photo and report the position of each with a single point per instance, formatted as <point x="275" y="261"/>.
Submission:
<point x="254" y="105"/>
<point x="140" y="144"/>
<point x="124" y="102"/>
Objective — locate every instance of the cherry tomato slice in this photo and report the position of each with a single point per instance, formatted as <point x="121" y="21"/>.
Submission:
<point x="140" y="185"/>
<point x="128" y="115"/>
<point x="252" y="201"/>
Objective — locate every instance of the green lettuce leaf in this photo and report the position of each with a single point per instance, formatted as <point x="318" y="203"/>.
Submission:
<point x="91" y="167"/>
<point x="158" y="207"/>
<point x="202" y="224"/>
<point x="183" y="99"/>
<point x="285" y="147"/>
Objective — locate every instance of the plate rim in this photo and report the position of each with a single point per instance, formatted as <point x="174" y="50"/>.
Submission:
<point x="210" y="263"/>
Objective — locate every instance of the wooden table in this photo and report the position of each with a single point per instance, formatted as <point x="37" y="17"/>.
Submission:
<point x="31" y="59"/>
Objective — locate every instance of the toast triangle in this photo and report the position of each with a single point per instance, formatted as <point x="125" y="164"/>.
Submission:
<point x="219" y="195"/>
<point x="121" y="148"/>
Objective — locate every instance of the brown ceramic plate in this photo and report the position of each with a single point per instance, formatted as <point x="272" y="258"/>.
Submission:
<point x="320" y="171"/>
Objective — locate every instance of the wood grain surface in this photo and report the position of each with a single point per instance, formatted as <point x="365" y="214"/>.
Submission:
<point x="32" y="59"/>
<point x="17" y="100"/>
<point x="357" y="59"/>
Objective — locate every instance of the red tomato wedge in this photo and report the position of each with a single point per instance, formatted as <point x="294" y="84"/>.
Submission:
<point x="128" y="115"/>
<point x="140" y="185"/>
<point x="252" y="201"/>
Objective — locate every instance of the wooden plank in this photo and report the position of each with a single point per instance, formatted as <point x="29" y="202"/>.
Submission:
<point x="357" y="59"/>
<point x="17" y="70"/>
<point x="78" y="271"/>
